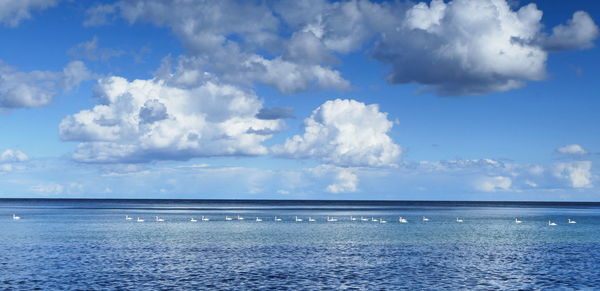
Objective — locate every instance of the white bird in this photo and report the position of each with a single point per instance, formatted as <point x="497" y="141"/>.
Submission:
<point x="364" y="219"/>
<point x="240" y="218"/>
<point x="158" y="219"/>
<point x="571" y="221"/>
<point x="205" y="218"/>
<point x="550" y="223"/>
<point x="298" y="219"/>
<point x="277" y="218"/>
<point x="517" y="221"/>
<point x="352" y="218"/>
<point x="258" y="219"/>
<point x="331" y="219"/>
<point x="425" y="219"/>
<point x="227" y="218"/>
<point x="381" y="220"/>
<point x="459" y="220"/>
<point x="402" y="220"/>
<point x="374" y="219"/>
<point x="127" y="217"/>
<point x="139" y="220"/>
<point x="15" y="217"/>
<point x="193" y="220"/>
<point x="310" y="219"/>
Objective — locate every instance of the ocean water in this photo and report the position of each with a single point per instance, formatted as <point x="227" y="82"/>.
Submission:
<point x="88" y="245"/>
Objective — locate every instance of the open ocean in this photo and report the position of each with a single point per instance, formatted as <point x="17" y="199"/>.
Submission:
<point x="89" y="245"/>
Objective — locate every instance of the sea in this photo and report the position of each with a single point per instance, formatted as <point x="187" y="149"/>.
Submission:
<point x="77" y="244"/>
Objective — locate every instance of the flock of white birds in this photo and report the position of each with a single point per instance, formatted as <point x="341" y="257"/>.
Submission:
<point x="311" y="219"/>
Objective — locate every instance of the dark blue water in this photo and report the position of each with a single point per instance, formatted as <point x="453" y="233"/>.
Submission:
<point x="87" y="244"/>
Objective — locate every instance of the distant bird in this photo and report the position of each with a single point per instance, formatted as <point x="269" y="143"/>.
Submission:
<point x="127" y="217"/>
<point x="425" y="219"/>
<point x="310" y="219"/>
<point x="571" y="221"/>
<point x="381" y="220"/>
<point x="205" y="218"/>
<point x="517" y="221"/>
<point x="459" y="220"/>
<point x="227" y="218"/>
<point x="277" y="218"/>
<point x="352" y="218"/>
<point x="240" y="218"/>
<point x="402" y="220"/>
<point x="550" y="223"/>
<point x="298" y="219"/>
<point x="374" y="219"/>
<point x="364" y="219"/>
<point x="331" y="219"/>
<point x="15" y="217"/>
<point x="139" y="220"/>
<point x="193" y="220"/>
<point x="258" y="219"/>
<point x="158" y="219"/>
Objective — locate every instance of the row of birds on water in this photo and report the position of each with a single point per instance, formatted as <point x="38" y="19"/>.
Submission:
<point x="328" y="219"/>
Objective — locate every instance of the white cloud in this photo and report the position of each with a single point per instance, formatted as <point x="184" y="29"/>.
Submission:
<point x="147" y="120"/>
<point x="572" y="149"/>
<point x="344" y="133"/>
<point x="465" y="47"/>
<point x="492" y="184"/>
<point x="12" y="12"/>
<point x="10" y="155"/>
<point x="345" y="181"/>
<point x="37" y="88"/>
<point x="577" y="173"/>
<point x="49" y="188"/>
<point x="11" y="160"/>
<point x="579" y="33"/>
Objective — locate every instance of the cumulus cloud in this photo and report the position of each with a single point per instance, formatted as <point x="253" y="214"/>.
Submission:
<point x="12" y="12"/>
<point x="38" y="88"/>
<point x="579" y="33"/>
<point x="344" y="133"/>
<point x="492" y="184"/>
<point x="572" y="149"/>
<point x="145" y="120"/>
<point x="465" y="47"/>
<point x="577" y="173"/>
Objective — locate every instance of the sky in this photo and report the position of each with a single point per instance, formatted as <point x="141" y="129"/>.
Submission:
<point x="376" y="100"/>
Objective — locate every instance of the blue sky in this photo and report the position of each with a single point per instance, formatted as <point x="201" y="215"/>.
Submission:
<point x="443" y="100"/>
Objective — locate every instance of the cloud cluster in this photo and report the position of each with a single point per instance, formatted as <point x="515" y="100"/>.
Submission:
<point x="12" y="12"/>
<point x="146" y="120"/>
<point x="37" y="88"/>
<point x="460" y="47"/>
<point x="344" y="133"/>
<point x="489" y="175"/>
<point x="12" y="159"/>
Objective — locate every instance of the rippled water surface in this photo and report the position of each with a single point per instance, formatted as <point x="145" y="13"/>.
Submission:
<point x="84" y="244"/>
